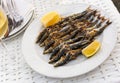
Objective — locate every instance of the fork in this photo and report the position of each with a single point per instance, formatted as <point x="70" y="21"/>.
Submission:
<point x="17" y="17"/>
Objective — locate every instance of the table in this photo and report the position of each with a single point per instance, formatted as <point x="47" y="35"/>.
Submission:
<point x="16" y="70"/>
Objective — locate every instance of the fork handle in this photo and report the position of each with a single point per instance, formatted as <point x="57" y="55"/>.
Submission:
<point x="17" y="17"/>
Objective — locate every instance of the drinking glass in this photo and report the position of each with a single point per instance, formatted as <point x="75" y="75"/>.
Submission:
<point x="3" y="27"/>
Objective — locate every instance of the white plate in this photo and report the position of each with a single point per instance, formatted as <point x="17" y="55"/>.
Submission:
<point x="34" y="54"/>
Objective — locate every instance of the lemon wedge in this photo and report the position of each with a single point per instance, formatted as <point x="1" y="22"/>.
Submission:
<point x="50" y="18"/>
<point x="91" y="49"/>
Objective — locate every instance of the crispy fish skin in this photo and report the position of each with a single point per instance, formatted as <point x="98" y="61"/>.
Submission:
<point x="67" y="38"/>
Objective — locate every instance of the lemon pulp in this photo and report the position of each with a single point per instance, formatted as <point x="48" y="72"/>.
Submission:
<point x="50" y="18"/>
<point x="91" y="49"/>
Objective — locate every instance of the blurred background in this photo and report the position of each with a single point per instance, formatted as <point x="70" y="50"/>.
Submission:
<point x="117" y="4"/>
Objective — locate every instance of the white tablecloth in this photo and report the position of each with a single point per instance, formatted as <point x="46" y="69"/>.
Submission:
<point x="13" y="68"/>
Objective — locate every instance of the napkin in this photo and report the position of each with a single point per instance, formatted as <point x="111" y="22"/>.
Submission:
<point x="23" y="6"/>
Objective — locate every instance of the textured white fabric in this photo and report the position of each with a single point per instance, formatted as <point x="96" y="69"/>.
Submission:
<point x="13" y="68"/>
